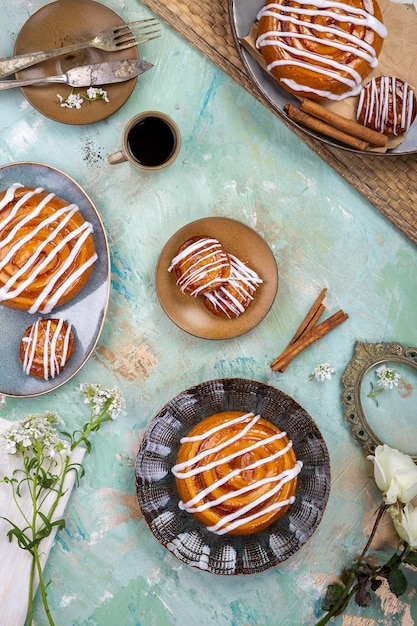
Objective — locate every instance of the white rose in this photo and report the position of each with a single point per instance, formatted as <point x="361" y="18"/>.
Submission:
<point x="405" y="522"/>
<point x="395" y="474"/>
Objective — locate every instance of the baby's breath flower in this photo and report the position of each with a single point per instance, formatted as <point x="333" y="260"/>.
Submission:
<point x="322" y="372"/>
<point x="37" y="432"/>
<point x="97" y="93"/>
<point x="46" y="461"/>
<point x="100" y="398"/>
<point x="73" y="101"/>
<point x="387" y="377"/>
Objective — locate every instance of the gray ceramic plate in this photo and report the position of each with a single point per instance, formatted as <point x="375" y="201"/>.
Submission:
<point x="242" y="15"/>
<point x="179" y="531"/>
<point x="86" y="312"/>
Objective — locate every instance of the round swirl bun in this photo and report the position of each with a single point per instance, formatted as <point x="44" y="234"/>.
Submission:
<point x="234" y="296"/>
<point x="321" y="49"/>
<point x="46" y="347"/>
<point x="387" y="105"/>
<point x="200" y="265"/>
<point x="46" y="249"/>
<point x="236" y="473"/>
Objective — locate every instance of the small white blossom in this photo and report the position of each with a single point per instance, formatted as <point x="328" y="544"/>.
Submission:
<point x="35" y="431"/>
<point x="99" y="398"/>
<point x="73" y="101"/>
<point x="387" y="377"/>
<point x="322" y="372"/>
<point x="97" y="93"/>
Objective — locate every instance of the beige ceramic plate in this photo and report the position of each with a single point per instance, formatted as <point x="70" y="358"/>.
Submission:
<point x="190" y="313"/>
<point x="58" y="24"/>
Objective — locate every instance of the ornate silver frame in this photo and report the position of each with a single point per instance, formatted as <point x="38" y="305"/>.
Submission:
<point x="366" y="356"/>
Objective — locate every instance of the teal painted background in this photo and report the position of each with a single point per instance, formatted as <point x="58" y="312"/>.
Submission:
<point x="237" y="160"/>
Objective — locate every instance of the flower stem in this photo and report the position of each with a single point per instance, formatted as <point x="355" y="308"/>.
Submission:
<point x="42" y="587"/>
<point x="351" y="588"/>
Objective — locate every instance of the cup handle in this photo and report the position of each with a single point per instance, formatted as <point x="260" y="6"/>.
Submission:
<point x="116" y="157"/>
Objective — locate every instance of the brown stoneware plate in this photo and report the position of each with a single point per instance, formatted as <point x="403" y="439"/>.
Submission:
<point x="59" y="24"/>
<point x="190" y="313"/>
<point x="179" y="531"/>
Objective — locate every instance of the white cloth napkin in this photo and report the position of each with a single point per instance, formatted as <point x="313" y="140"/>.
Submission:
<point x="14" y="562"/>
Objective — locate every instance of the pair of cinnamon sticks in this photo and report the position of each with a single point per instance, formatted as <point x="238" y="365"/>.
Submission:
<point x="308" y="332"/>
<point x="316" y="117"/>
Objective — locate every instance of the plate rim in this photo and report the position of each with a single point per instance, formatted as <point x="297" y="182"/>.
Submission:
<point x="233" y="539"/>
<point x="108" y="273"/>
<point x="226" y="322"/>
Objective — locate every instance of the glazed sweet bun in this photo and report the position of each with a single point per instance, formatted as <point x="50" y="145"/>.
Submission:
<point x="46" y="347"/>
<point x="236" y="473"/>
<point x="200" y="265"/>
<point x="321" y="50"/>
<point x="388" y="105"/>
<point x="46" y="249"/>
<point x="235" y="295"/>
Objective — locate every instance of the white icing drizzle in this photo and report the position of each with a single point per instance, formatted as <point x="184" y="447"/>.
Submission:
<point x="376" y="103"/>
<point x="61" y="216"/>
<point x="314" y="62"/>
<point x="239" y="517"/>
<point x="243" y="280"/>
<point x="52" y="365"/>
<point x="198" y="270"/>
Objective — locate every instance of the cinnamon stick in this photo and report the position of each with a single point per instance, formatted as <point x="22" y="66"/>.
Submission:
<point x="312" y="316"/>
<point x="320" y="330"/>
<point x="308" y="121"/>
<point x="342" y="123"/>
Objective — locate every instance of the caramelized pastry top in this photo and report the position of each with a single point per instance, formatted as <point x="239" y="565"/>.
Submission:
<point x="46" y="249"/>
<point x="321" y="48"/>
<point x="200" y="265"/>
<point x="236" y="473"/>
<point x="388" y="105"/>
<point x="46" y="347"/>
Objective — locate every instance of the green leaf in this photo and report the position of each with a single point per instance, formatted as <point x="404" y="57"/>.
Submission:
<point x="333" y="593"/>
<point x="397" y="582"/>
<point x="393" y="562"/>
<point x="411" y="558"/>
<point x="347" y="574"/>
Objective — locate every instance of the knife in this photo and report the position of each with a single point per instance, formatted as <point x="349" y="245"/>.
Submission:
<point x="87" y="75"/>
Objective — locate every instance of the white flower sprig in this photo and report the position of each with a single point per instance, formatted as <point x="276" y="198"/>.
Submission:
<point x="322" y="372"/>
<point x="46" y="461"/>
<point x="387" y="378"/>
<point x="75" y="100"/>
<point x="395" y="475"/>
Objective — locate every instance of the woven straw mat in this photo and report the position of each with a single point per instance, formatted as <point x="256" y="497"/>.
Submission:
<point x="387" y="182"/>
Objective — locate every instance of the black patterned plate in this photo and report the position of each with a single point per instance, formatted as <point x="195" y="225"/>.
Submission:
<point x="185" y="536"/>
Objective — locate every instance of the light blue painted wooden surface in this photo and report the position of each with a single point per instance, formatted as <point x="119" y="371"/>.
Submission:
<point x="239" y="161"/>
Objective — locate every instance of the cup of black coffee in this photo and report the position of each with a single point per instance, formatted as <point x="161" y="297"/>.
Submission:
<point x="151" y="141"/>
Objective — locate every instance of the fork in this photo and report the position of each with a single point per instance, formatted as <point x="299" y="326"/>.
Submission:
<point x="111" y="39"/>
